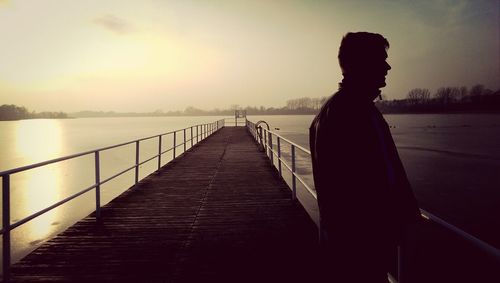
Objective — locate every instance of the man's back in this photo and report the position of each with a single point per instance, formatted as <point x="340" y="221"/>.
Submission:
<point x="350" y="172"/>
<point x="362" y="210"/>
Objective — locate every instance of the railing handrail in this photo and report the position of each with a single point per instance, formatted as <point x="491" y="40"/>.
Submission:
<point x="289" y="141"/>
<point x="492" y="251"/>
<point x="311" y="191"/>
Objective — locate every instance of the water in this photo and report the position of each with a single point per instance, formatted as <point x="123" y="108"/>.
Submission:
<point x="452" y="161"/>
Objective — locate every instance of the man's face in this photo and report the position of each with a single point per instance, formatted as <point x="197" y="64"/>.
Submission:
<point x="376" y="69"/>
<point x="370" y="69"/>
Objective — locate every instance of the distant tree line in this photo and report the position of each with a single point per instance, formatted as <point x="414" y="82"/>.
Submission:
<point x="418" y="100"/>
<point x="444" y="100"/>
<point x="193" y="111"/>
<point x="13" y="112"/>
<point x="306" y="103"/>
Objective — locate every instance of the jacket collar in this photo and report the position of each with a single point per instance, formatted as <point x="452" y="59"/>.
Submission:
<point x="358" y="92"/>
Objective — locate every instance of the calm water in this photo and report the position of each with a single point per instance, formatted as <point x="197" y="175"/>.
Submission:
<point x="453" y="162"/>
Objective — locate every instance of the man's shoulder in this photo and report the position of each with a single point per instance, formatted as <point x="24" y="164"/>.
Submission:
<point x="330" y="109"/>
<point x="334" y="106"/>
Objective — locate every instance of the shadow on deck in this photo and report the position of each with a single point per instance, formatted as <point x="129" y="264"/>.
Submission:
<point x="218" y="213"/>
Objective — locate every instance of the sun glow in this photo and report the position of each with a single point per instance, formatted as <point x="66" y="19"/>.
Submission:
<point x="36" y="189"/>
<point x="38" y="140"/>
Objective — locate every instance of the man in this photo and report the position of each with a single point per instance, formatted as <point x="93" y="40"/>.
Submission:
<point x="364" y="197"/>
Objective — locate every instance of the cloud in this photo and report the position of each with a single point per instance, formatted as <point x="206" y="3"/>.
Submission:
<point x="113" y="24"/>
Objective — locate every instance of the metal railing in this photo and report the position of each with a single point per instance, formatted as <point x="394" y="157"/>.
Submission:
<point x="237" y="122"/>
<point x="197" y="134"/>
<point x="265" y="138"/>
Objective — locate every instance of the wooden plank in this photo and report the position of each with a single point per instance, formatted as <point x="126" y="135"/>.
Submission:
<point x="219" y="213"/>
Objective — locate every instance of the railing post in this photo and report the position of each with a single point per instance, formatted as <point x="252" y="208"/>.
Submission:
<point x="184" y="140"/>
<point x="173" y="148"/>
<point x="265" y="140"/>
<point x="279" y="156"/>
<point x="98" y="186"/>
<point x="294" y="181"/>
<point x="197" y="134"/>
<point x="159" y="152"/>
<point x="6" y="226"/>
<point x="270" y="141"/>
<point x="191" y="136"/>
<point x="136" y="162"/>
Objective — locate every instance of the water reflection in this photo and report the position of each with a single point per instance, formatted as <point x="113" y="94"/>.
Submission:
<point x="36" y="189"/>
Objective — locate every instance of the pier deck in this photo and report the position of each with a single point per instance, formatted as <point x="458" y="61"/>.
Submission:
<point x="218" y="213"/>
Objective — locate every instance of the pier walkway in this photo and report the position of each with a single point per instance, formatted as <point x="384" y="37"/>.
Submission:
<point x="219" y="213"/>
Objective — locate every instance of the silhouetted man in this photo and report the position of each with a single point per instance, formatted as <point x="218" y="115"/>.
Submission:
<point x="364" y="196"/>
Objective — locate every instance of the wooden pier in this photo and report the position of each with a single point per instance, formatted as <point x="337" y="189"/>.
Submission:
<point x="219" y="213"/>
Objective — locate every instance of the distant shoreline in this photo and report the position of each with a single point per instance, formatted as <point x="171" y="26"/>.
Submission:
<point x="131" y="115"/>
<point x="38" y="118"/>
<point x="212" y="115"/>
<point x="275" y="114"/>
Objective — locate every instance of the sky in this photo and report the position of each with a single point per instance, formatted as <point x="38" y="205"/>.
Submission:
<point x="148" y="55"/>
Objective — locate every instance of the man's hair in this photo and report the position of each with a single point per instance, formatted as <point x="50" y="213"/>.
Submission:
<point x="356" y="47"/>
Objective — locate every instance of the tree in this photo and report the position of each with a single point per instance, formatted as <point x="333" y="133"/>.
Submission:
<point x="462" y="92"/>
<point x="447" y="95"/>
<point x="13" y="112"/>
<point x="476" y="90"/>
<point x="418" y="95"/>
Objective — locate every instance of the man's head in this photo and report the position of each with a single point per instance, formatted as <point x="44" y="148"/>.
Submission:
<point x="362" y="58"/>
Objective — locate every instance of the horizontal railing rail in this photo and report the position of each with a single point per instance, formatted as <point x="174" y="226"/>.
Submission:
<point x="238" y="122"/>
<point x="197" y="133"/>
<point x="265" y="138"/>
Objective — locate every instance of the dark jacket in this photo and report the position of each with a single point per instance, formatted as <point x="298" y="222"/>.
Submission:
<point x="363" y="192"/>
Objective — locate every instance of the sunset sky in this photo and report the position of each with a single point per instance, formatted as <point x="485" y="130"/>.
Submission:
<point x="145" y="55"/>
